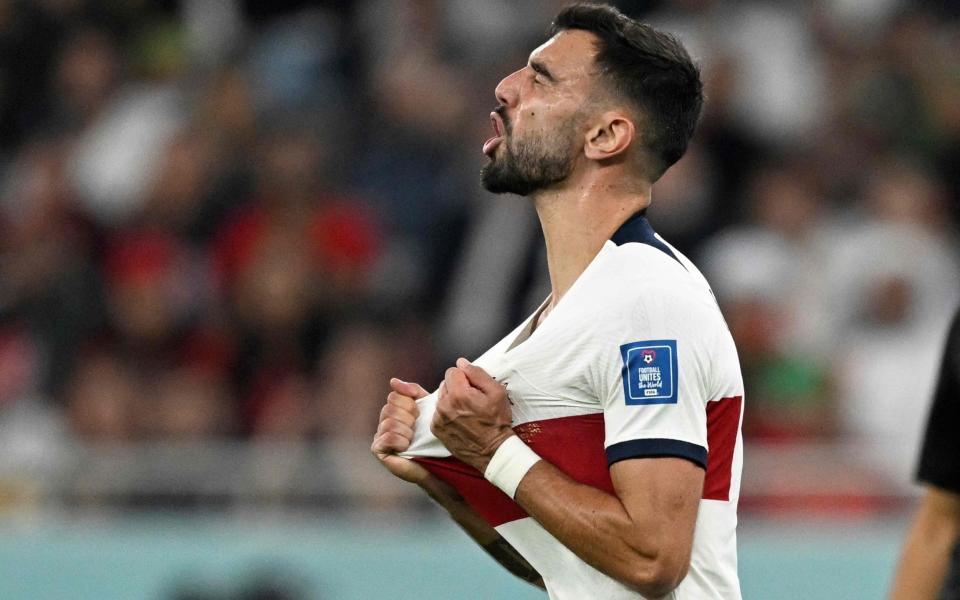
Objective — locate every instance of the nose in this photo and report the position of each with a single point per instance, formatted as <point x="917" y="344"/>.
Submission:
<point x="506" y="90"/>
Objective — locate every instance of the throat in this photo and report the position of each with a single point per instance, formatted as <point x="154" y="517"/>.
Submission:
<point x="535" y="322"/>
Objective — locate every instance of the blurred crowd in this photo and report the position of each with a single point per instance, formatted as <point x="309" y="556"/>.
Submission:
<point x="225" y="219"/>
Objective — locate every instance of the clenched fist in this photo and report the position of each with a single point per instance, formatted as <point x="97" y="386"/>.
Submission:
<point x="473" y="414"/>
<point x="395" y="431"/>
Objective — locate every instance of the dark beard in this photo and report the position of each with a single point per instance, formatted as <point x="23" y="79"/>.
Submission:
<point x="527" y="168"/>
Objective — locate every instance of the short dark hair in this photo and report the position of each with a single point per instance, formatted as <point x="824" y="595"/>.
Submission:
<point x="648" y="68"/>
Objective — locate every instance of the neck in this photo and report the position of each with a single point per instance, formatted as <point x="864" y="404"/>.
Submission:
<point x="577" y="219"/>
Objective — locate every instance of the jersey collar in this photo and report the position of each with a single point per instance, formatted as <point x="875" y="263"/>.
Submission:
<point x="637" y="229"/>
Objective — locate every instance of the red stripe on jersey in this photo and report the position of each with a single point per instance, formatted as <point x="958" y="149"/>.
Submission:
<point x="491" y="504"/>
<point x="723" y="422"/>
<point x="572" y="444"/>
<point x="575" y="445"/>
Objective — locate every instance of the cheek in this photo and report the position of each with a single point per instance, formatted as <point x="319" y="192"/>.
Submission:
<point x="530" y="115"/>
<point x="542" y="116"/>
<point x="530" y="122"/>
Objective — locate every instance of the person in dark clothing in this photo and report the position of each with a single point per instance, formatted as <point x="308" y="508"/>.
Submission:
<point x="931" y="556"/>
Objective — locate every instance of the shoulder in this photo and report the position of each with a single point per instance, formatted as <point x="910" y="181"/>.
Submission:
<point x="639" y="275"/>
<point x="638" y="295"/>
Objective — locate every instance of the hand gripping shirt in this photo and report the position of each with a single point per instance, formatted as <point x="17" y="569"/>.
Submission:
<point x="634" y="361"/>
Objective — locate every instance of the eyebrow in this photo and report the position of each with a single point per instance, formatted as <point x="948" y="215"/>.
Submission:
<point x="542" y="69"/>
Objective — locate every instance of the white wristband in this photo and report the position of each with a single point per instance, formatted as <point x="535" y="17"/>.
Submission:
<point x="509" y="464"/>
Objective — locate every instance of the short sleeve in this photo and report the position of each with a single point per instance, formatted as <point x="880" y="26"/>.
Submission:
<point x="940" y="455"/>
<point x="653" y="381"/>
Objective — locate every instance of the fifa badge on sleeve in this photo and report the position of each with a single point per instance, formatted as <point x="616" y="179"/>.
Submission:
<point x="650" y="372"/>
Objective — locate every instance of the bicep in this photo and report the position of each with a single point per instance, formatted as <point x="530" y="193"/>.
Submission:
<point x="661" y="495"/>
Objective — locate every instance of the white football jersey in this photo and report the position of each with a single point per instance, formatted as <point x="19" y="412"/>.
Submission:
<point x="634" y="361"/>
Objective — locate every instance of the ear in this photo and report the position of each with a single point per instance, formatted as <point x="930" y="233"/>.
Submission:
<point x="610" y="136"/>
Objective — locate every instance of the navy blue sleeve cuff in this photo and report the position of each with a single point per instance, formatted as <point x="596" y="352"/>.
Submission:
<point x="657" y="447"/>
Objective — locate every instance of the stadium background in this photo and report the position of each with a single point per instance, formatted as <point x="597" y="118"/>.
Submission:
<point x="224" y="224"/>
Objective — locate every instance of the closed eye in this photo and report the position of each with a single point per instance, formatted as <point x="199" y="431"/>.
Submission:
<point x="541" y="69"/>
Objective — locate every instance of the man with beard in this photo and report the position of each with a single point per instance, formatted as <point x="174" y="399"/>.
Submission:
<point x="596" y="449"/>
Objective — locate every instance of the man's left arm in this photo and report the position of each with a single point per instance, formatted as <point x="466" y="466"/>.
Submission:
<point x="641" y="536"/>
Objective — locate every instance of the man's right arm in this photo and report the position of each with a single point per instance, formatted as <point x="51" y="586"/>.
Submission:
<point x="936" y="527"/>
<point x="394" y="435"/>
<point x="930" y="542"/>
<point x="479" y="530"/>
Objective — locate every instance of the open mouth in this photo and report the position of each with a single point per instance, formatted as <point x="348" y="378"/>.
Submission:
<point x="498" y="134"/>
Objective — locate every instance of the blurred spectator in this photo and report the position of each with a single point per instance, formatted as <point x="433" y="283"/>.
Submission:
<point x="767" y="279"/>
<point x="87" y="75"/>
<point x="190" y="193"/>
<point x="686" y="199"/>
<point x="350" y="392"/>
<point x="102" y="399"/>
<point x="488" y="293"/>
<point x="214" y="29"/>
<point x="116" y="158"/>
<point x="190" y="404"/>
<point x="778" y="83"/>
<point x="48" y="283"/>
<point x="895" y="278"/>
<point x="291" y="263"/>
<point x="152" y="288"/>
<point x="294" y="66"/>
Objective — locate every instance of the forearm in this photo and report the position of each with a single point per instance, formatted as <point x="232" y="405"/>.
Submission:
<point x="480" y="531"/>
<point x="927" y="551"/>
<point x="596" y="526"/>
